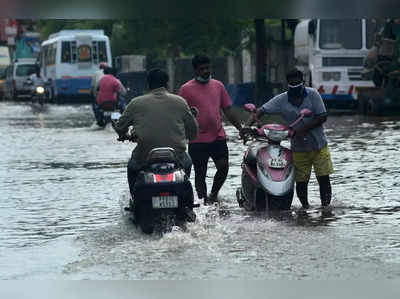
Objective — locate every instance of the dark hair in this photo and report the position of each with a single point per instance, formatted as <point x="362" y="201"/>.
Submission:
<point x="108" y="71"/>
<point x="157" y="78"/>
<point x="199" y="59"/>
<point x="294" y="74"/>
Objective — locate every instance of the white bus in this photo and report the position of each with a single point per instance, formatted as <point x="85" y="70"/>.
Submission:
<point x="70" y="58"/>
<point x="331" y="54"/>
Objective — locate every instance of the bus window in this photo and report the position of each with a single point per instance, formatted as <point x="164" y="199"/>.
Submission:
<point x="73" y="51"/>
<point x="94" y="51"/>
<point x="66" y="52"/>
<point x="372" y="30"/>
<point x="102" y="51"/>
<point x="85" y="53"/>
<point x="51" y="54"/>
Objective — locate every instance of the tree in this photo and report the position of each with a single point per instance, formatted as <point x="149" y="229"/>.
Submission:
<point x="261" y="61"/>
<point x="163" y="37"/>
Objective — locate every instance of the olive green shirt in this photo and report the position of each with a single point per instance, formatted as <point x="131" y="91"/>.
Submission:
<point x="159" y="119"/>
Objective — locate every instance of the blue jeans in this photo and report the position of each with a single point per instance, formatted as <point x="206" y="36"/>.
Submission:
<point x="134" y="168"/>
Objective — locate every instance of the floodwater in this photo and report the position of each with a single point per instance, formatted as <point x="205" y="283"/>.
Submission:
<point x="63" y="189"/>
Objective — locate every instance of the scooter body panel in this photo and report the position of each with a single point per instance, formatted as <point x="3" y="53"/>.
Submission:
<point x="260" y="181"/>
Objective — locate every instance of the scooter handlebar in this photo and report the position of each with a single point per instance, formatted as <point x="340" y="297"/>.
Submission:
<point x="124" y="137"/>
<point x="248" y="132"/>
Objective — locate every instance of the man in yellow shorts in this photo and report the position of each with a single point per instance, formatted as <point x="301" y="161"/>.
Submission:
<point x="309" y="144"/>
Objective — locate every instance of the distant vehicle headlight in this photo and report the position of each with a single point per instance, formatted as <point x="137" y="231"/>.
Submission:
<point x="40" y="89"/>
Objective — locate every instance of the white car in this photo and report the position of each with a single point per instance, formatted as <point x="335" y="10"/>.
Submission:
<point x="16" y="76"/>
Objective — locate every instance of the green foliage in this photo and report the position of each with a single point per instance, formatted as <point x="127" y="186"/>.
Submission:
<point x="159" y="38"/>
<point x="50" y="26"/>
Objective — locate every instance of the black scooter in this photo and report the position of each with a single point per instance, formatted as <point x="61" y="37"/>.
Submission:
<point x="38" y="94"/>
<point x="162" y="195"/>
<point x="105" y="111"/>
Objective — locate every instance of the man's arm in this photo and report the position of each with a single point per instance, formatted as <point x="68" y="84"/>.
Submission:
<point x="123" y="90"/>
<point x="319" y="112"/>
<point x="125" y="120"/>
<point x="260" y="113"/>
<point x="190" y="123"/>
<point x="270" y="107"/>
<point x="315" y="123"/>
<point x="231" y="116"/>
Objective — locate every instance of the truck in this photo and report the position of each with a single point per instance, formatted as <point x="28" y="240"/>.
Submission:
<point x="331" y="54"/>
<point x="27" y="45"/>
<point x="383" y="67"/>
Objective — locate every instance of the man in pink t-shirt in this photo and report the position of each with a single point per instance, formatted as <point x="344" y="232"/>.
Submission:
<point x="109" y="88"/>
<point x="210" y="97"/>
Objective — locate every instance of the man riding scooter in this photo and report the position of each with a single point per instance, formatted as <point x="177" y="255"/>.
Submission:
<point x="159" y="119"/>
<point x="108" y="95"/>
<point x="38" y="86"/>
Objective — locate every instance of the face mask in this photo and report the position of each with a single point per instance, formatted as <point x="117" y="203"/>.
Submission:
<point x="202" y="80"/>
<point x="295" y="90"/>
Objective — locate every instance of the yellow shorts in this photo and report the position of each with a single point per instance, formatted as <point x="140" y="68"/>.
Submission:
<point x="304" y="161"/>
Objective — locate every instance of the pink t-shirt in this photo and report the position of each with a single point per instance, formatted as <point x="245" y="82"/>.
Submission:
<point x="209" y="99"/>
<point x="108" y="88"/>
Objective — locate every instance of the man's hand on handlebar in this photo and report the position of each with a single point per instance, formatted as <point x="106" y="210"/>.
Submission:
<point x="245" y="132"/>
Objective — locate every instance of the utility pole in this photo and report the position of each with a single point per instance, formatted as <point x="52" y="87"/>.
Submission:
<point x="261" y="62"/>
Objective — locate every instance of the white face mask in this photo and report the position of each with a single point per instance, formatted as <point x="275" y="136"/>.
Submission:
<point x="202" y="80"/>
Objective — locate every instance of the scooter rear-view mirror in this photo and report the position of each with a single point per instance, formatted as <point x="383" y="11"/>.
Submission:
<point x="250" y="107"/>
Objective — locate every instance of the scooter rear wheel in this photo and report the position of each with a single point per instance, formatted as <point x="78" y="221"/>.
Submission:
<point x="146" y="220"/>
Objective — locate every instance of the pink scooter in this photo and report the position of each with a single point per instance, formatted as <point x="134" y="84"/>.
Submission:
<point x="267" y="167"/>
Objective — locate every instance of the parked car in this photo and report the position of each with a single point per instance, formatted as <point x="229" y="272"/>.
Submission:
<point x="2" y="81"/>
<point x="16" y="76"/>
<point x="4" y="63"/>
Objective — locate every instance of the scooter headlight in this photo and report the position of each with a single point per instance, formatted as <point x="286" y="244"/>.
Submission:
<point x="40" y="89"/>
<point x="275" y="135"/>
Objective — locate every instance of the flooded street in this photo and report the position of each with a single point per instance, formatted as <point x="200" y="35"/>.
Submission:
<point x="63" y="189"/>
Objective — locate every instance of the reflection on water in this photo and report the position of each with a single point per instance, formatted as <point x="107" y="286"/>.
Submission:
<point x="63" y="183"/>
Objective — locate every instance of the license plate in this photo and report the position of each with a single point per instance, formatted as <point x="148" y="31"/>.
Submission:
<point x="115" y="115"/>
<point x="107" y="113"/>
<point x="277" y="163"/>
<point x="83" y="90"/>
<point x="165" y="202"/>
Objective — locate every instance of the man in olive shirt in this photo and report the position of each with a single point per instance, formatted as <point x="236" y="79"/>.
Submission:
<point x="159" y="119"/>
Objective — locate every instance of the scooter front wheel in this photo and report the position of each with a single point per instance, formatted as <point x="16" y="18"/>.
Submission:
<point x="283" y="202"/>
